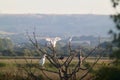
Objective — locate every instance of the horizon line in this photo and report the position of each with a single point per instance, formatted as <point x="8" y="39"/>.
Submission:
<point x="53" y="14"/>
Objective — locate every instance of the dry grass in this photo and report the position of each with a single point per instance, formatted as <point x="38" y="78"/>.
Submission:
<point x="91" y="59"/>
<point x="12" y="68"/>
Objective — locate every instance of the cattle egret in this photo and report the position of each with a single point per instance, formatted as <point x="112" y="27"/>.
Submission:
<point x="70" y="39"/>
<point x="81" y="59"/>
<point x="53" y="41"/>
<point x="42" y="60"/>
<point x="80" y="56"/>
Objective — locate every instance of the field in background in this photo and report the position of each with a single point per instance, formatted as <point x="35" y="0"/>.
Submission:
<point x="21" y="60"/>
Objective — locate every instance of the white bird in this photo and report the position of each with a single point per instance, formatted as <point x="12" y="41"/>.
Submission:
<point x="70" y="39"/>
<point x="81" y="57"/>
<point x="53" y="41"/>
<point x="42" y="60"/>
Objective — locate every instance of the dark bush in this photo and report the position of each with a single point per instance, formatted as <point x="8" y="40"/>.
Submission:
<point x="107" y="73"/>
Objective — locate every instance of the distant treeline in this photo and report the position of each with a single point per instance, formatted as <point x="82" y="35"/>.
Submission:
<point x="9" y="48"/>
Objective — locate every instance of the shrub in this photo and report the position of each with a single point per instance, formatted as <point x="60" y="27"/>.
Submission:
<point x="107" y="73"/>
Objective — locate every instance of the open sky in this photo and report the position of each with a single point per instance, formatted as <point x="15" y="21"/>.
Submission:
<point x="56" y="6"/>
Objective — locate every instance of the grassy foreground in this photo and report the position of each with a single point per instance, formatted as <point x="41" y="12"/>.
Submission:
<point x="17" y="69"/>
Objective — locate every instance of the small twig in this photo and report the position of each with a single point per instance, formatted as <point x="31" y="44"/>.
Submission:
<point x="47" y="70"/>
<point x="90" y="69"/>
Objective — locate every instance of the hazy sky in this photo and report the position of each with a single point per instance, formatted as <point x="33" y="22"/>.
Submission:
<point x="56" y="6"/>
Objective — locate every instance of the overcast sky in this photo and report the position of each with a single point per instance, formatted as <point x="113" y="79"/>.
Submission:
<point x="56" y="6"/>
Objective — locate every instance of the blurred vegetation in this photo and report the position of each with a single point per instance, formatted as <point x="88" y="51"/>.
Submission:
<point x="107" y="73"/>
<point x="112" y="70"/>
<point x="116" y="34"/>
<point x="9" y="49"/>
<point x="6" y="47"/>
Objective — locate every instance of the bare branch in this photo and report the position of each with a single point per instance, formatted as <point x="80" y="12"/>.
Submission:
<point x="90" y="69"/>
<point x="48" y="70"/>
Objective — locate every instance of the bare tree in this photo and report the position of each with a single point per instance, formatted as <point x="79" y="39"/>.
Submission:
<point x="63" y="68"/>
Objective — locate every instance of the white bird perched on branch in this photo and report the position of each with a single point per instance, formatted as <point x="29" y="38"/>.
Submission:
<point x="81" y="57"/>
<point x="53" y="41"/>
<point x="42" y="60"/>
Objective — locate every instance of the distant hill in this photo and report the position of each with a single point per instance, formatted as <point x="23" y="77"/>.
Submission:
<point x="6" y="33"/>
<point x="75" y="24"/>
